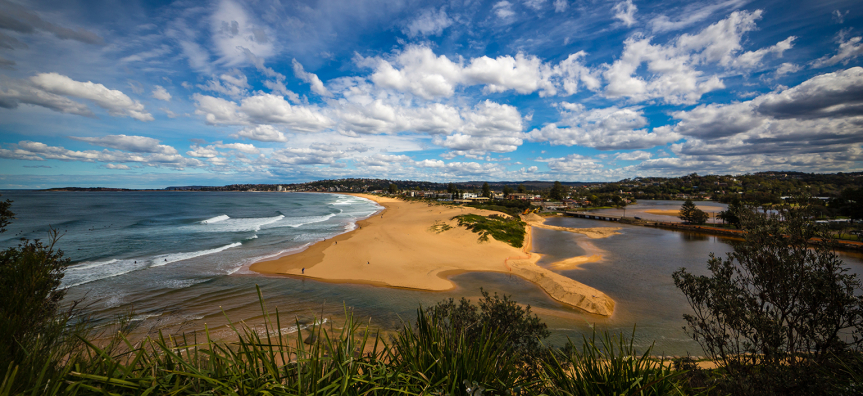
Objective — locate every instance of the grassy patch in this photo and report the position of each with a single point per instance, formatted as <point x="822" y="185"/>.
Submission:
<point x="510" y="231"/>
<point x="440" y="227"/>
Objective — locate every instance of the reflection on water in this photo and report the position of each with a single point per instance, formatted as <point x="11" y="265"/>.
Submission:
<point x="692" y="236"/>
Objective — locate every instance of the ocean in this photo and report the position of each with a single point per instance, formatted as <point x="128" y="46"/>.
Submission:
<point x="178" y="261"/>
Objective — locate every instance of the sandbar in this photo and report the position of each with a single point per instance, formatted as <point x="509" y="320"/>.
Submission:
<point x="405" y="246"/>
<point x="676" y="212"/>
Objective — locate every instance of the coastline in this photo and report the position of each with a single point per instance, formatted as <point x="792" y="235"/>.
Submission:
<point x="397" y="247"/>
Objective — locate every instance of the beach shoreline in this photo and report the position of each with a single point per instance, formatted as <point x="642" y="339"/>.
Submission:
<point x="403" y="246"/>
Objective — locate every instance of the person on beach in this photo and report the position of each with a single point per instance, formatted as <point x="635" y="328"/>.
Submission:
<point x="303" y="270"/>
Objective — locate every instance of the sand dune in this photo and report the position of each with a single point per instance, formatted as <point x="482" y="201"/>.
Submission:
<point x="404" y="246"/>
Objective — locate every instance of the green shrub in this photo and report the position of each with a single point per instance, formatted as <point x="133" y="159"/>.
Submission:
<point x="523" y="331"/>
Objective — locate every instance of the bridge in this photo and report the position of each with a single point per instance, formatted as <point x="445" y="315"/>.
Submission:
<point x="592" y="216"/>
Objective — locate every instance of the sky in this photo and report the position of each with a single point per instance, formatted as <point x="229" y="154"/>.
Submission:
<point x="149" y="94"/>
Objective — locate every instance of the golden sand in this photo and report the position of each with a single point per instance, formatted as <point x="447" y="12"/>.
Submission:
<point x="405" y="246"/>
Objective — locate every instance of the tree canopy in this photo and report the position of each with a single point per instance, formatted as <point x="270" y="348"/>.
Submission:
<point x="691" y="214"/>
<point x="775" y="301"/>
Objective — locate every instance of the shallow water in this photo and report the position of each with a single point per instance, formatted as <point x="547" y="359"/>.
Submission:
<point x="189" y="292"/>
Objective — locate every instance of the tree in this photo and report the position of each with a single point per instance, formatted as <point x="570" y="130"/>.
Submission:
<point x="775" y="302"/>
<point x="522" y="189"/>
<point x="691" y="214"/>
<point x="486" y="190"/>
<point x="853" y="203"/>
<point x="558" y="192"/>
<point x="393" y="188"/>
<point x="619" y="203"/>
<point x="732" y="214"/>
<point x="507" y="191"/>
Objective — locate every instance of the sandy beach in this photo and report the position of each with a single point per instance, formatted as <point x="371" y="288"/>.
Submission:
<point x="403" y="246"/>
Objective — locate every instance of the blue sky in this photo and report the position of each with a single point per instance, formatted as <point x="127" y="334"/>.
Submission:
<point x="153" y="94"/>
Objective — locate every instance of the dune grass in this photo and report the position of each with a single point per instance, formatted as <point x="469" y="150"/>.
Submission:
<point x="510" y="230"/>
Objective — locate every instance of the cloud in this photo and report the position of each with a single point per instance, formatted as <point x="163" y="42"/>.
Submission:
<point x="381" y="160"/>
<point x="633" y="156"/>
<point x="489" y="127"/>
<point x="116" y="166"/>
<point x="560" y="5"/>
<point x="604" y="129"/>
<point x="535" y="5"/>
<point x="428" y="23"/>
<point x="787" y="68"/>
<point x="419" y="71"/>
<point x="135" y="144"/>
<point x="234" y="84"/>
<point x="828" y="95"/>
<point x="839" y="16"/>
<point x="312" y="79"/>
<point x="241" y="147"/>
<point x="19" y="19"/>
<point x="672" y="73"/>
<point x="261" y="109"/>
<point x="262" y="133"/>
<point x="717" y="120"/>
<point x="818" y="123"/>
<point x="693" y="14"/>
<point x="848" y="50"/>
<point x="17" y="92"/>
<point x="430" y="163"/>
<point x="572" y="164"/>
<point x="625" y="12"/>
<point x="503" y="9"/>
<point x="161" y="93"/>
<point x="39" y="151"/>
<point x="233" y="28"/>
<point x="202" y="151"/>
<point x="48" y="90"/>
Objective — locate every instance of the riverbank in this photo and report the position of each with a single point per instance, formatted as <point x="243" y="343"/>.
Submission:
<point x="416" y="245"/>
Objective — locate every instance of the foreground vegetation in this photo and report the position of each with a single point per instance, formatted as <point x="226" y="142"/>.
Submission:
<point x="777" y="317"/>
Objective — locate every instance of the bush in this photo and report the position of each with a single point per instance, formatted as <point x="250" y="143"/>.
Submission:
<point x="522" y="330"/>
<point x="34" y="332"/>
<point x="775" y="308"/>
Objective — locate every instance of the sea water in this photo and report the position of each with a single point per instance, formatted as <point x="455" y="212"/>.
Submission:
<point x="179" y="261"/>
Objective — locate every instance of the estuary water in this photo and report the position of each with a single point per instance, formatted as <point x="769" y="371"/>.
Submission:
<point x="178" y="261"/>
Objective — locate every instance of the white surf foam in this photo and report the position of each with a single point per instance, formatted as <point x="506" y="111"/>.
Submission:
<point x="164" y="259"/>
<point x="216" y="219"/>
<point x="245" y="264"/>
<point x="240" y="224"/>
<point x="79" y="275"/>
<point x="91" y="264"/>
<point x="301" y="221"/>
